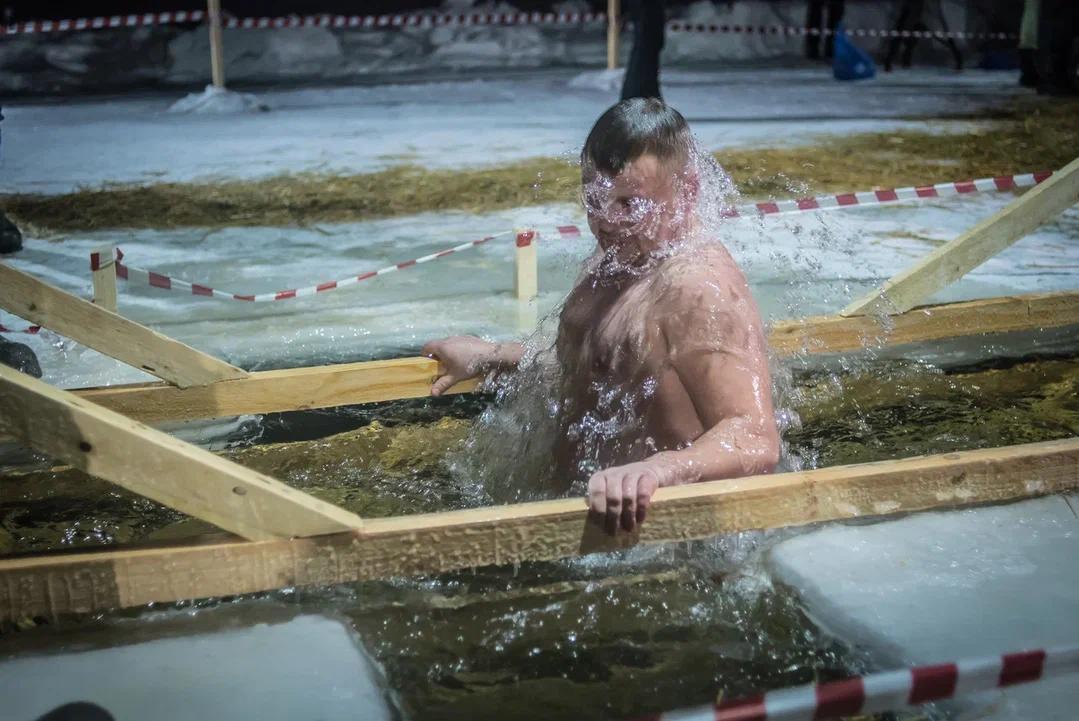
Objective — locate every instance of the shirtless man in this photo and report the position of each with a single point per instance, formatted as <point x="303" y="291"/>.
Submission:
<point x="664" y="370"/>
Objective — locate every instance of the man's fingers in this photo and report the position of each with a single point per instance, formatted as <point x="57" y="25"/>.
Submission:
<point x="629" y="503"/>
<point x="443" y="384"/>
<point x="431" y="348"/>
<point x="597" y="494"/>
<point x="614" y="503"/>
<point x="644" y="499"/>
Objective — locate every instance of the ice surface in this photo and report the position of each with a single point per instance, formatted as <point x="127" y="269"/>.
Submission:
<point x="939" y="587"/>
<point x="797" y="265"/>
<point x="53" y="148"/>
<point x="308" y="667"/>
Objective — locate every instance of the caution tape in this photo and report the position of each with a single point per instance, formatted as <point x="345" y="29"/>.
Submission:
<point x="890" y="691"/>
<point x="794" y="31"/>
<point x="417" y="20"/>
<point x="31" y="330"/>
<point x="141" y="276"/>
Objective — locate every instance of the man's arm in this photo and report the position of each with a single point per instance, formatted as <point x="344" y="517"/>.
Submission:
<point x="727" y="380"/>
<point x="465" y="356"/>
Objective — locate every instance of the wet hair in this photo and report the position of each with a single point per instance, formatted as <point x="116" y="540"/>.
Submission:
<point x="632" y="128"/>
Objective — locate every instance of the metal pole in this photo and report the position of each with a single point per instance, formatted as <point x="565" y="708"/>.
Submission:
<point x="217" y="62"/>
<point x="613" y="31"/>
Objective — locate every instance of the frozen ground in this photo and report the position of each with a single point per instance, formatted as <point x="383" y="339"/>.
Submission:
<point x="57" y="147"/>
<point x="798" y="265"/>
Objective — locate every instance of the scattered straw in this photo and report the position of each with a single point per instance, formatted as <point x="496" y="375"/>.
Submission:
<point x="1033" y="136"/>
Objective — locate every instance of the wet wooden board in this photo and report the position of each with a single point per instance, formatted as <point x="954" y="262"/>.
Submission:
<point x="346" y="384"/>
<point x="156" y="465"/>
<point x="54" y="585"/>
<point x="954" y="259"/>
<point x="106" y="332"/>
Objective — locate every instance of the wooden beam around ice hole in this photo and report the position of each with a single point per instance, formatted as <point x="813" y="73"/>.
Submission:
<point x="53" y="585"/>
<point x="158" y="466"/>
<point x="294" y="389"/>
<point x="117" y="337"/>
<point x="953" y="260"/>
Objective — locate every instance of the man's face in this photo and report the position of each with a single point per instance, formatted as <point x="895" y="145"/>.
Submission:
<point x="637" y="212"/>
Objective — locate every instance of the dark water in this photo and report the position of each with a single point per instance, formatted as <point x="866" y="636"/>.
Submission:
<point x="602" y="637"/>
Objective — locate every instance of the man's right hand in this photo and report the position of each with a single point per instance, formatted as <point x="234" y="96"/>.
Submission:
<point x="462" y="357"/>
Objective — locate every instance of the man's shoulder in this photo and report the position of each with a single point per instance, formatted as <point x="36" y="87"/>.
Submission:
<point x="701" y="273"/>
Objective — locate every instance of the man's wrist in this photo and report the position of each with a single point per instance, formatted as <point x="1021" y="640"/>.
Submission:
<point x="674" y="468"/>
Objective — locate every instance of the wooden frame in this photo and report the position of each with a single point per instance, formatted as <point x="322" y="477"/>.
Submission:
<point x="109" y="333"/>
<point x="955" y="259"/>
<point x="54" y="585"/>
<point x="158" y="466"/>
<point x="351" y="383"/>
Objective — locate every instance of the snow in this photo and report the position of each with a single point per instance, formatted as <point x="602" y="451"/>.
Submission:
<point x="56" y="148"/>
<point x="939" y="587"/>
<point x="218" y="101"/>
<point x="305" y="667"/>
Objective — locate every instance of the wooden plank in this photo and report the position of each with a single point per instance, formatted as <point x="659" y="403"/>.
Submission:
<point x="156" y="465"/>
<point x="288" y="389"/>
<point x="53" y="585"/>
<point x="955" y="259"/>
<point x="835" y="334"/>
<point x="351" y="383"/>
<point x="108" y="333"/>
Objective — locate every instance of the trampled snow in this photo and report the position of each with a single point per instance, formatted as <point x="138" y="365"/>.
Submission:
<point x="55" y="148"/>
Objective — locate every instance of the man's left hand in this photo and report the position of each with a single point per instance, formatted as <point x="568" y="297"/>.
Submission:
<point x="620" y="495"/>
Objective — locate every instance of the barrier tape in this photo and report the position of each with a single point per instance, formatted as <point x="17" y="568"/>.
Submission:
<point x="792" y="31"/>
<point x="293" y="21"/>
<point x="141" y="276"/>
<point x="463" y="19"/>
<point x="889" y="691"/>
<point x="101" y="23"/>
<point x="32" y="330"/>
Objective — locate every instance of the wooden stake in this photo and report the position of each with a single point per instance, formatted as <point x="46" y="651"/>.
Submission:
<point x="217" y="53"/>
<point x="53" y="585"/>
<point x="103" y="275"/>
<point x="953" y="260"/>
<point x="614" y="31"/>
<point x="346" y="384"/>
<point x="106" y="332"/>
<point x="158" y="466"/>
<point x="526" y="271"/>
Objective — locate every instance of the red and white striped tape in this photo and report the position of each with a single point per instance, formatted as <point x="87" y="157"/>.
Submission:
<point x="294" y="21"/>
<point x="789" y="30"/>
<point x="31" y="330"/>
<point x="416" y="20"/>
<point x="463" y="19"/>
<point x="890" y="195"/>
<point x="141" y="276"/>
<point x="101" y="23"/>
<point x="889" y="691"/>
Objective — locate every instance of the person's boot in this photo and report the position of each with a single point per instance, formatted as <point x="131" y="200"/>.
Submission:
<point x="10" y="237"/>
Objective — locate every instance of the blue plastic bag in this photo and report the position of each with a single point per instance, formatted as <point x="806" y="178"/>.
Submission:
<point x="849" y="62"/>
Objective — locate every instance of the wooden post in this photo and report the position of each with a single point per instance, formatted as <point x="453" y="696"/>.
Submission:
<point x="614" y="30"/>
<point x="103" y="274"/>
<point x="955" y="259"/>
<point x="57" y="584"/>
<point x="526" y="276"/>
<point x="158" y="466"/>
<point x="106" y="332"/>
<point x="217" y="55"/>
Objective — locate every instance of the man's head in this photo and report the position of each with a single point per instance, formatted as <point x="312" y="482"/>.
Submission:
<point x="637" y="181"/>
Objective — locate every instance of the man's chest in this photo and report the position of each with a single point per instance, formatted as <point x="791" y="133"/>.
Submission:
<point x="606" y="332"/>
